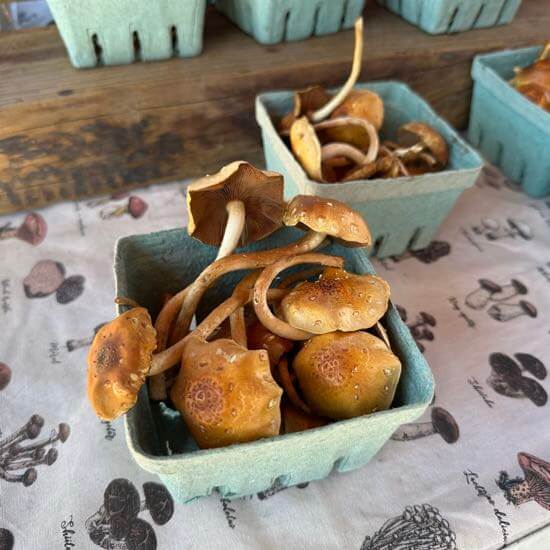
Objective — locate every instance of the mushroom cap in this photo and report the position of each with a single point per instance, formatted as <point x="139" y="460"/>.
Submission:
<point x="140" y="536"/>
<point x="118" y="362"/>
<point x="347" y="374"/>
<point x="159" y="502"/>
<point x="445" y="424"/>
<point x="29" y="477"/>
<point x="506" y="385"/>
<point x="536" y="93"/>
<point x="534" y="391"/>
<point x="137" y="206"/>
<point x="6" y="539"/>
<point x="504" y="366"/>
<point x="259" y="337"/>
<point x="532" y="365"/>
<point x="332" y="217"/>
<point x="51" y="457"/>
<point x="226" y="394"/>
<point x="122" y="505"/>
<point x="45" y="278"/>
<point x="261" y="191"/>
<point x="64" y="431"/>
<point x="414" y="133"/>
<point x="336" y="301"/>
<point x="428" y="319"/>
<point x="519" y="287"/>
<point x="351" y="130"/>
<point x="364" y="104"/>
<point x="306" y="147"/>
<point x="535" y="469"/>
<point x="309" y="99"/>
<point x="33" y="229"/>
<point x="537" y="73"/>
<point x="528" y="308"/>
<point x="432" y="253"/>
<point x="295" y="419"/>
<point x="5" y="375"/>
<point x="70" y="289"/>
<point x="490" y="286"/>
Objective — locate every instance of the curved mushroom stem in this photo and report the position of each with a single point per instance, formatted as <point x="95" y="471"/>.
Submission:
<point x="289" y="388"/>
<point x="264" y="314"/>
<point x="337" y="149"/>
<point x="300" y="276"/>
<point x="186" y="300"/>
<point x="414" y="431"/>
<point x="238" y="327"/>
<point x="233" y="228"/>
<point x="327" y="108"/>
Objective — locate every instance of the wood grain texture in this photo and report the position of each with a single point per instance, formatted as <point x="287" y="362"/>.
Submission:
<point x="68" y="133"/>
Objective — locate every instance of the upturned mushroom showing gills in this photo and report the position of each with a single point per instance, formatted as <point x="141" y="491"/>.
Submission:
<point x="534" y="81"/>
<point x="344" y="375"/>
<point x="237" y="205"/>
<point x="416" y="138"/>
<point x="338" y="300"/>
<point x="226" y="394"/>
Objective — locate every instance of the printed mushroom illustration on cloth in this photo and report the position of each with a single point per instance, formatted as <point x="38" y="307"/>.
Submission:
<point x="507" y="377"/>
<point x="116" y="524"/>
<point x="7" y="540"/>
<point x="420" y="327"/>
<point x="18" y="461"/>
<point x="78" y="343"/>
<point x="504" y="299"/>
<point x="442" y="423"/>
<point x="535" y="486"/>
<point x="277" y="487"/>
<point x="47" y="277"/>
<point x="5" y="376"/>
<point x="33" y="230"/>
<point x="494" y="230"/>
<point x="433" y="252"/>
<point x="419" y="527"/>
<point x="134" y="207"/>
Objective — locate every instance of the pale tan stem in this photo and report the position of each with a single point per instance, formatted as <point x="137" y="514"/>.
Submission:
<point x="238" y="327"/>
<point x="336" y="149"/>
<point x="264" y="314"/>
<point x="236" y="216"/>
<point x="191" y="296"/>
<point x="289" y="388"/>
<point x="327" y="108"/>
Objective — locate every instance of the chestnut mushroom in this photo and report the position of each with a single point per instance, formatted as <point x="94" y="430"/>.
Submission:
<point x="237" y="205"/>
<point x="416" y="138"/>
<point x="338" y="300"/>
<point x="306" y="147"/>
<point x="534" y="81"/>
<point x="33" y="230"/>
<point x="305" y="101"/>
<point x="364" y="104"/>
<point x="347" y="374"/>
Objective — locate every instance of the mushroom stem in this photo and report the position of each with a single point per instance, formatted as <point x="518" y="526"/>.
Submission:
<point x="336" y="149"/>
<point x="300" y="276"/>
<point x="413" y="431"/>
<point x="238" y="327"/>
<point x="186" y="300"/>
<point x="327" y="108"/>
<point x="264" y="314"/>
<point x="289" y="388"/>
<point x="236" y="215"/>
<point x="75" y="344"/>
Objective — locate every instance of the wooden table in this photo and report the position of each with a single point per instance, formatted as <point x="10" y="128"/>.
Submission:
<point x="68" y="133"/>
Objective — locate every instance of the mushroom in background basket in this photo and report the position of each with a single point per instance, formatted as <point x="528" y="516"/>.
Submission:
<point x="347" y="374"/>
<point x="236" y="206"/>
<point x="534" y="81"/>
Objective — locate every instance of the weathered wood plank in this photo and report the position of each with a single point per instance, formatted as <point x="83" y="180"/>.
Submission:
<point x="67" y="133"/>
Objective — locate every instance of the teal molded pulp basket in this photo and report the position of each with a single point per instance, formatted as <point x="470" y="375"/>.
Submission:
<point x="272" y="21"/>
<point x="402" y="212"/>
<point x="448" y="16"/>
<point x="114" y="32"/>
<point x="146" y="266"/>
<point x="510" y="131"/>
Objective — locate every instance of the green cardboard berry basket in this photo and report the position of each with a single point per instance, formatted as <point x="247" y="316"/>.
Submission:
<point x="450" y="16"/>
<point x="508" y="129"/>
<point x="115" y="32"/>
<point x="273" y="21"/>
<point x="145" y="267"/>
<point x="403" y="212"/>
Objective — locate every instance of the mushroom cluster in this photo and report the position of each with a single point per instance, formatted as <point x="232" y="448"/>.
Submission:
<point x="336" y="138"/>
<point x="284" y="352"/>
<point x="534" y="81"/>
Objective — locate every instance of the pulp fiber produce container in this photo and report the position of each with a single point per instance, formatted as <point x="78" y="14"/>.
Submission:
<point x="402" y="213"/>
<point x="146" y="266"/>
<point x="273" y="21"/>
<point x="508" y="129"/>
<point x="449" y="16"/>
<point x="115" y="32"/>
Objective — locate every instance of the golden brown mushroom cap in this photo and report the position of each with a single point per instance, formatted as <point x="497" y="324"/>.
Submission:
<point x="364" y="104"/>
<point x="306" y="147"/>
<point x="328" y="216"/>
<point x="347" y="374"/>
<point x="261" y="191"/>
<point x="418" y="132"/>
<point x="338" y="300"/>
<point x="118" y="362"/>
<point x="226" y="394"/>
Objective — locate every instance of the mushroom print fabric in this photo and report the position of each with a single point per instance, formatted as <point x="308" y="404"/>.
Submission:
<point x="471" y="473"/>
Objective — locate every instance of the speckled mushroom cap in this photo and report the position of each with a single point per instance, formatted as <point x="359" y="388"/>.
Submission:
<point x="261" y="191"/>
<point x="418" y="132"/>
<point x="338" y="300"/>
<point x="332" y="217"/>
<point x="343" y="375"/>
<point x="226" y="394"/>
<point x="118" y="362"/>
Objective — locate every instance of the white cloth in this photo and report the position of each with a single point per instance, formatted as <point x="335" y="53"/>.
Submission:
<point x="458" y="479"/>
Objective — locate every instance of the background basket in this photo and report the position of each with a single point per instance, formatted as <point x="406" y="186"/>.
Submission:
<point x="146" y="266"/>
<point x="402" y="212"/>
<point x="272" y="21"/>
<point x="114" y="32"/>
<point x="448" y="16"/>
<point x="511" y="131"/>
